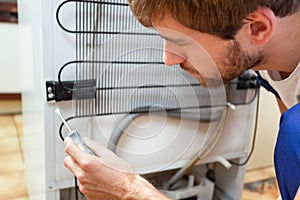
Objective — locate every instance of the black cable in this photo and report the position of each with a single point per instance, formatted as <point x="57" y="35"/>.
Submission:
<point x="254" y="136"/>
<point x="94" y="32"/>
<point x="76" y="188"/>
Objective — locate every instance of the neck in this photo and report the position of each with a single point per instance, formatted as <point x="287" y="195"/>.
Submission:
<point x="283" y="50"/>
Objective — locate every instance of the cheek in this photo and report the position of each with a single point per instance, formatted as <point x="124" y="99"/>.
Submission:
<point x="213" y="46"/>
<point x="204" y="59"/>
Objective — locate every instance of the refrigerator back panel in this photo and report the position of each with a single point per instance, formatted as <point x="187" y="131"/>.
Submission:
<point x="109" y="69"/>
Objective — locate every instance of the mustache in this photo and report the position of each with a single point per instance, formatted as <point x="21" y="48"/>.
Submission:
<point x="207" y="82"/>
<point x="189" y="68"/>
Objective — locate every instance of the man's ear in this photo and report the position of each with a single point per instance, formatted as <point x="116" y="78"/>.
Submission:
<point x="261" y="25"/>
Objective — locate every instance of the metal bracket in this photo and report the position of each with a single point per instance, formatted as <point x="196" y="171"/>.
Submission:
<point x="70" y="90"/>
<point x="247" y="80"/>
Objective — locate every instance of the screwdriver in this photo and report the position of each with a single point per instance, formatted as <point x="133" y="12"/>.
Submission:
<point x="74" y="134"/>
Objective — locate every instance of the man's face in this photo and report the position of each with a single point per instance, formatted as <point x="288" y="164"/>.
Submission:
<point x="208" y="58"/>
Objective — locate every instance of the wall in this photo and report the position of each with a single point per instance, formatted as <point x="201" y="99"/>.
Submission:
<point x="268" y="124"/>
<point x="10" y="75"/>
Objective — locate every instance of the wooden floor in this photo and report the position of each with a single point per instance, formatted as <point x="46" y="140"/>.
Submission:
<point x="12" y="179"/>
<point x="259" y="184"/>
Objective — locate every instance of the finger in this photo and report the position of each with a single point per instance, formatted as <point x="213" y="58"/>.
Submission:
<point x="70" y="147"/>
<point x="98" y="148"/>
<point x="71" y="165"/>
<point x="91" y="191"/>
<point x="82" y="158"/>
<point x="107" y="157"/>
<point x="94" y="146"/>
<point x="82" y="177"/>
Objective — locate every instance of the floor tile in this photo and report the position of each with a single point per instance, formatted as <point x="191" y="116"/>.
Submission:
<point x="248" y="195"/>
<point x="264" y="189"/>
<point x="12" y="185"/>
<point x="259" y="174"/>
<point x="11" y="162"/>
<point x="7" y="126"/>
<point x="20" y="198"/>
<point x="18" y="123"/>
<point x="9" y="145"/>
<point x="17" y="198"/>
<point x="21" y="146"/>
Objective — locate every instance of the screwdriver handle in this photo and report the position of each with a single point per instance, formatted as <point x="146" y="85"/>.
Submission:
<point x="78" y="140"/>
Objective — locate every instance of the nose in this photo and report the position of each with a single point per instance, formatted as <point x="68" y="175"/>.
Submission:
<point x="171" y="57"/>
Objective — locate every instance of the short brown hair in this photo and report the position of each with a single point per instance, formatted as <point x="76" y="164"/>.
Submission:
<point x="222" y="18"/>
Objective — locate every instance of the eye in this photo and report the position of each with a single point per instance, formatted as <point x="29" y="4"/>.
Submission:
<point x="181" y="43"/>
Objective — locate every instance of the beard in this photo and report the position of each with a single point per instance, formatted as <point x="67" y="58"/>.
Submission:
<point x="234" y="62"/>
<point x="237" y="61"/>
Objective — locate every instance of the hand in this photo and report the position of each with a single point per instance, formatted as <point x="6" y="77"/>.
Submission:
<point x="106" y="176"/>
<point x="99" y="177"/>
<point x="107" y="157"/>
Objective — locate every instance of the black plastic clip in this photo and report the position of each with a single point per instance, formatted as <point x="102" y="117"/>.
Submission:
<point x="70" y="90"/>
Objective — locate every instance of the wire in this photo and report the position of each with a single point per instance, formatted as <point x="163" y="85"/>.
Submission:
<point x="76" y="188"/>
<point x="209" y="145"/>
<point x="194" y="160"/>
<point x="119" y="129"/>
<point x="254" y="136"/>
<point x="128" y="118"/>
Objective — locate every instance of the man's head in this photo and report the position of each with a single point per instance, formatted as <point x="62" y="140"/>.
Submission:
<point x="234" y="33"/>
<point x="221" y="18"/>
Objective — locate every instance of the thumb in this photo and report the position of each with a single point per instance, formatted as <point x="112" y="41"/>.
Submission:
<point x="96" y="147"/>
<point x="99" y="149"/>
<point x="107" y="157"/>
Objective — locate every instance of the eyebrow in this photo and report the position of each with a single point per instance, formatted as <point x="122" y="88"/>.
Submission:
<point x="177" y="41"/>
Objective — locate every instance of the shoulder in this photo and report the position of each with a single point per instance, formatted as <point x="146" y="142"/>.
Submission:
<point x="290" y="119"/>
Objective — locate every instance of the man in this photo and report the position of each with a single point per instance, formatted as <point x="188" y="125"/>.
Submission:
<point x="238" y="35"/>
